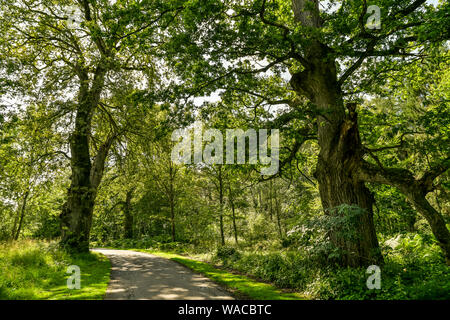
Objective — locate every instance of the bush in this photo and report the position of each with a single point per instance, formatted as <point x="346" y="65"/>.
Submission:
<point x="414" y="269"/>
<point x="226" y="254"/>
<point x="314" y="238"/>
<point x="410" y="249"/>
<point x="285" y="269"/>
<point x="427" y="281"/>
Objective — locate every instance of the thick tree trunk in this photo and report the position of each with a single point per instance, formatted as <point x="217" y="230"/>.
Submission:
<point x="76" y="216"/>
<point x="340" y="154"/>
<point x="337" y="188"/>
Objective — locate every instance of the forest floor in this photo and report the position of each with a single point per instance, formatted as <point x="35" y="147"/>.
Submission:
<point x="142" y="276"/>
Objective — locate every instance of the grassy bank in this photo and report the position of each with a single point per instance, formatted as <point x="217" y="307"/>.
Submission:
<point x="34" y="270"/>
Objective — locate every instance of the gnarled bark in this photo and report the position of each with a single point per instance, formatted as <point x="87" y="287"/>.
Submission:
<point x="340" y="153"/>
<point x="76" y="215"/>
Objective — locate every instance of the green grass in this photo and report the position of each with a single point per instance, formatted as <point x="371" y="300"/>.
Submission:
<point x="36" y="270"/>
<point x="241" y="286"/>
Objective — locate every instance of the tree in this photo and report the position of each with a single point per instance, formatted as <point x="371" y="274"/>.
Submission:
<point x="166" y="175"/>
<point x="89" y="61"/>
<point x="218" y="175"/>
<point x="30" y="160"/>
<point x="332" y="58"/>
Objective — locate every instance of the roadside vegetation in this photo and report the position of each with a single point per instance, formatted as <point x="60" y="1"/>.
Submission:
<point x="36" y="270"/>
<point x="241" y="286"/>
<point x="414" y="270"/>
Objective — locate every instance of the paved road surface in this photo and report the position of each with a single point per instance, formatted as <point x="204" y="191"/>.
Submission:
<point x="142" y="276"/>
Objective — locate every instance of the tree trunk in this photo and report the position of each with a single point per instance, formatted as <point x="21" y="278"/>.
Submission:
<point x="278" y="213"/>
<point x="76" y="215"/>
<point x="22" y="215"/>
<point x="16" y="222"/>
<point x="270" y="201"/>
<point x="434" y="218"/>
<point x="260" y="201"/>
<point x="172" y="199"/>
<point x="128" y="215"/>
<point x="172" y="219"/>
<point x="411" y="219"/>
<point x="222" y="235"/>
<point x="233" y="216"/>
<point x="416" y="191"/>
<point x="340" y="154"/>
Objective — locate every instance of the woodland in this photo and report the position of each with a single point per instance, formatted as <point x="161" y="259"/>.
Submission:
<point x="92" y="91"/>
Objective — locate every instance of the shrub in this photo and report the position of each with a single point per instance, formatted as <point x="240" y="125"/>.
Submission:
<point x="397" y="283"/>
<point x="313" y="236"/>
<point x="225" y="254"/>
<point x="423" y="275"/>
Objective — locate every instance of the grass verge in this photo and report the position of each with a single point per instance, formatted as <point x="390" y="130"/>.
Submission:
<point x="36" y="270"/>
<point x="241" y="286"/>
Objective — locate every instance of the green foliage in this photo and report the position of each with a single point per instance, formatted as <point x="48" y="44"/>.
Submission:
<point x="284" y="269"/>
<point x="224" y="253"/>
<point x="414" y="270"/>
<point x="313" y="236"/>
<point x="409" y="249"/>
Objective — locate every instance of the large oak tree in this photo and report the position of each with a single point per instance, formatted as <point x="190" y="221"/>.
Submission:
<point x="318" y="58"/>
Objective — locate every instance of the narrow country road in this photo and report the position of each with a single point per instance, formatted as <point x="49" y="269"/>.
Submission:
<point x="142" y="276"/>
